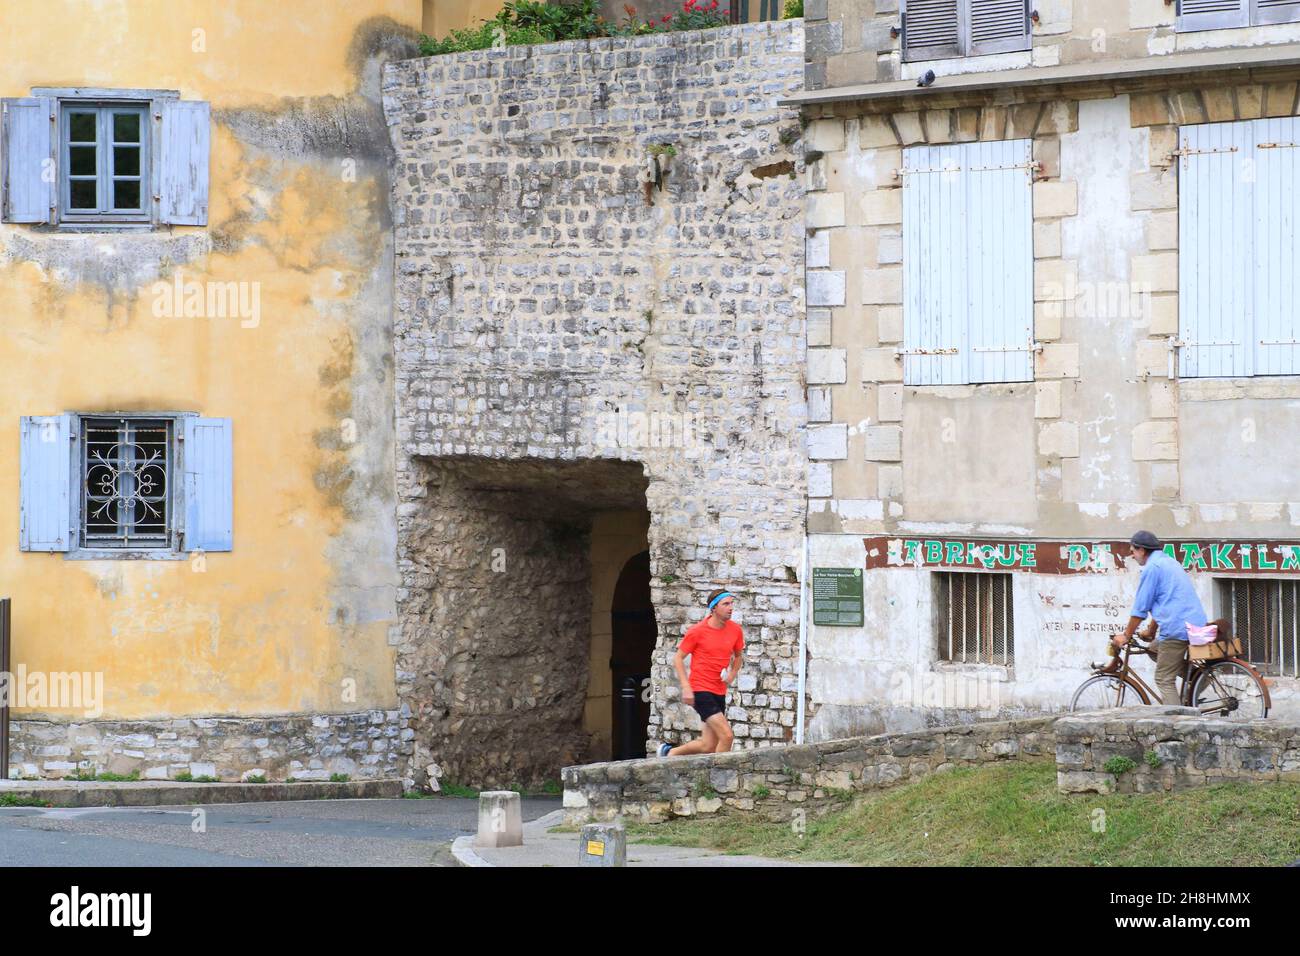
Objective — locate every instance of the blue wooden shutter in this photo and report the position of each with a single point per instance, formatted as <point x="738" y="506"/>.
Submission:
<point x="934" y="266"/>
<point x="209" y="484"/>
<point x="1212" y="14"/>
<point x="27" y="164"/>
<point x="931" y="29"/>
<point x="183" y="178"/>
<point x="1275" y="11"/>
<point x="998" y="26"/>
<point x="45" y="484"/>
<point x="1277" y="251"/>
<point x="1216" y="249"/>
<point x="1000" y="261"/>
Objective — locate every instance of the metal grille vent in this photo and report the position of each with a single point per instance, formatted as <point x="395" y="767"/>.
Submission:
<point x="976" y="619"/>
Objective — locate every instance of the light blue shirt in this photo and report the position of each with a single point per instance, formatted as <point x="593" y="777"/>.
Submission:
<point x="1166" y="593"/>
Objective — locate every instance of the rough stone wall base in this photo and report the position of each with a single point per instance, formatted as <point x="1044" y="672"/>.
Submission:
<point x="365" y="745"/>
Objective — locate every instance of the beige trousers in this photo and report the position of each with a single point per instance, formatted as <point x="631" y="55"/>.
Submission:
<point x="1170" y="658"/>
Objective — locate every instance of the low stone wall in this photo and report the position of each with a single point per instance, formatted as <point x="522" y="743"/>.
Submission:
<point x="1170" y="748"/>
<point x="772" y="781"/>
<point x="365" y="745"/>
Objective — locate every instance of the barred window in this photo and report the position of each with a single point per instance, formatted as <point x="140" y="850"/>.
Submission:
<point x="1265" y="616"/>
<point x="976" y="619"/>
<point x="126" y="468"/>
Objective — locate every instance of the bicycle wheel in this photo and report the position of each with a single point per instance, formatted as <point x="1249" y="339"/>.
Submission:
<point x="1105" y="690"/>
<point x="1233" y="687"/>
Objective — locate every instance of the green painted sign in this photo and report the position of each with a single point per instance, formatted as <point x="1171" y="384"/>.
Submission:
<point x="837" y="597"/>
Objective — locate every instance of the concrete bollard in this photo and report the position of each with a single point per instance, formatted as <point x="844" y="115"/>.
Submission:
<point x="500" y="819"/>
<point x="602" y="844"/>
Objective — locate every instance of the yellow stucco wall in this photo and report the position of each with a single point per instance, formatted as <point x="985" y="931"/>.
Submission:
<point x="440" y="17"/>
<point x="303" y="602"/>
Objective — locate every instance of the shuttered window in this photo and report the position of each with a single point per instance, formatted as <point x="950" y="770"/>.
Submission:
<point x="1238" y="250"/>
<point x="104" y="158"/>
<point x="129" y="486"/>
<point x="933" y="29"/>
<point x="967" y="264"/>
<point x="1225" y="14"/>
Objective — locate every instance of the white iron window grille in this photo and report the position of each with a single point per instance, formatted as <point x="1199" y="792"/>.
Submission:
<point x="126" y="470"/>
<point x="976" y="618"/>
<point x="1265" y="616"/>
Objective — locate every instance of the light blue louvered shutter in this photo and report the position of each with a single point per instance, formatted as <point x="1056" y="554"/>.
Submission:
<point x="998" y="26"/>
<point x="209" y="484"/>
<point x="1000" y="261"/>
<point x="45" y="482"/>
<point x="27" y="160"/>
<point x="184" y="146"/>
<point x="1216" y="239"/>
<point x="931" y="29"/>
<point x="934" y="266"/>
<point x="1275" y="11"/>
<point x="1276" y="166"/>
<point x="1213" y="14"/>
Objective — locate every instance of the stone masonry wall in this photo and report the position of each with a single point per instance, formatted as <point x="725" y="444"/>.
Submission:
<point x="1171" y="748"/>
<point x="554" y="306"/>
<point x="366" y="745"/>
<point x="775" y="781"/>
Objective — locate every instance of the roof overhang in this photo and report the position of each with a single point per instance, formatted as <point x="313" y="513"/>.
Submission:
<point x="1085" y="80"/>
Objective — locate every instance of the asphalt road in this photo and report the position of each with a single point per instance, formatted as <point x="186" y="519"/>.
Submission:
<point x="306" y="833"/>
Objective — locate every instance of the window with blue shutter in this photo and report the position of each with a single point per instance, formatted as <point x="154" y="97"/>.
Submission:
<point x="935" y="29"/>
<point x="968" y="263"/>
<point x="81" y="157"/>
<point x="1238" y="212"/>
<point x="126" y="485"/>
<point x="1226" y="14"/>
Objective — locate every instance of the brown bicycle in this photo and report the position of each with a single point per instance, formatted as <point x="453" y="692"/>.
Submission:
<point x="1227" y="687"/>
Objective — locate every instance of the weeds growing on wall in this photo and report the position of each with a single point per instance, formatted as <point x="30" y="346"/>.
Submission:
<point x="522" y="22"/>
<point x="793" y="9"/>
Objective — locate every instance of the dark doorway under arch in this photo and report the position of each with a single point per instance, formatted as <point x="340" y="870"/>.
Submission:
<point x="634" y="634"/>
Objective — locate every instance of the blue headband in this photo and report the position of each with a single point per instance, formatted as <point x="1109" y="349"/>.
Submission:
<point x="724" y="594"/>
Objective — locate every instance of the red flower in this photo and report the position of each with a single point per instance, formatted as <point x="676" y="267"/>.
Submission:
<point x="666" y="18"/>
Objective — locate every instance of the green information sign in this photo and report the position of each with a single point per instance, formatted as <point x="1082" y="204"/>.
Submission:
<point x="837" y="597"/>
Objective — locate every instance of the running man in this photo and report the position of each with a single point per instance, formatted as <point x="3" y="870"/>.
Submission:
<point x="1165" y="592"/>
<point x="714" y="646"/>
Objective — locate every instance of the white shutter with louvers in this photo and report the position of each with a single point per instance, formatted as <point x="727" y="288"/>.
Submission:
<point x="27" y="160"/>
<point x="934" y="266"/>
<point x="1213" y="14"/>
<point x="1216" y="239"/>
<point x="931" y="29"/>
<point x="998" y="26"/>
<point x="1275" y="11"/>
<point x="183" y="178"/>
<point x="1000" y="258"/>
<point x="1276" y="167"/>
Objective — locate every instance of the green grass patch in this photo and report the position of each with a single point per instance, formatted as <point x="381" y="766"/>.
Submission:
<point x="450" y="789"/>
<point x="339" y="778"/>
<point x="255" y="778"/>
<point x="1012" y="815"/>
<point x="15" y="800"/>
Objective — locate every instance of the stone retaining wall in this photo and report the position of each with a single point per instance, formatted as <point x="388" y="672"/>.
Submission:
<point x="1184" y="750"/>
<point x="365" y="746"/>
<point x="773" y="781"/>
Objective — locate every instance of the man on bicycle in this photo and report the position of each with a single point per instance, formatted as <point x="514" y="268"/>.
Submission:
<point x="1165" y="592"/>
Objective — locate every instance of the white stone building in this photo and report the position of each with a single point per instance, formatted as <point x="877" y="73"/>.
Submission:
<point x="1051" y="280"/>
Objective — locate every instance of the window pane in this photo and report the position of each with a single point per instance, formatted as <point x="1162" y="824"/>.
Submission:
<point x="126" y="194"/>
<point x="83" y="194"/>
<point x="126" y="161"/>
<point x="82" y="161"/>
<point x="126" y="127"/>
<point x="82" y="126"/>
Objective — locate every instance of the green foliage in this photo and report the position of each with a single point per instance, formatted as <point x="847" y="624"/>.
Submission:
<point x="761" y="792"/>
<point x="450" y="789"/>
<point x="1153" y="759"/>
<point x="255" y="778"/>
<point x="206" y="779"/>
<point x="668" y="578"/>
<point x="118" y="777"/>
<point x="662" y="149"/>
<point x="552" y="788"/>
<point x="15" y="800"/>
<point x="523" y="22"/>
<point x="793" y="9"/>
<point x="1011" y="814"/>
<point x="703" y="789"/>
<point x="339" y="778"/>
<point x="186" y="777"/>
<point x="1118" y="764"/>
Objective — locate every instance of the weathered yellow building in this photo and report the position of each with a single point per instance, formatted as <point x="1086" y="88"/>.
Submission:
<point x="196" y="282"/>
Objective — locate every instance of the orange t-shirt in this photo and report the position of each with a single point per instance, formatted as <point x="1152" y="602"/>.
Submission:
<point x="710" y="650"/>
